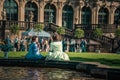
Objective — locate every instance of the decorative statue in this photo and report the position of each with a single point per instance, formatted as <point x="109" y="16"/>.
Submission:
<point x="51" y="18"/>
<point x="3" y="14"/>
<point x="31" y="16"/>
<point x="64" y="23"/>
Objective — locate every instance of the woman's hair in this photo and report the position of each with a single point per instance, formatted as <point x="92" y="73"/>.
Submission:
<point x="56" y="37"/>
<point x="34" y="38"/>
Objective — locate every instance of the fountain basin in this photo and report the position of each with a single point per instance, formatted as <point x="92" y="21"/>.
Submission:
<point x="91" y="69"/>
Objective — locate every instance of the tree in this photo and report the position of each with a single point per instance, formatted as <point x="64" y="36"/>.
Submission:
<point x="61" y="30"/>
<point x="79" y="33"/>
<point x="38" y="27"/>
<point x="98" y="32"/>
<point x="14" y="29"/>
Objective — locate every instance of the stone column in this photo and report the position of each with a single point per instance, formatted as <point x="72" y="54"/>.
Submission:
<point x="21" y="12"/>
<point x="41" y="12"/>
<point x="80" y="14"/>
<point x="93" y="16"/>
<point x="1" y="9"/>
<point x="59" y="14"/>
<point x="96" y="14"/>
<point x="111" y="16"/>
<point x="76" y="15"/>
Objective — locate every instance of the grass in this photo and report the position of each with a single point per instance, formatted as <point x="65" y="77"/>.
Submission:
<point x="109" y="59"/>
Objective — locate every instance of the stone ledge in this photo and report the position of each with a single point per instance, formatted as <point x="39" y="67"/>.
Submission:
<point x="92" y="69"/>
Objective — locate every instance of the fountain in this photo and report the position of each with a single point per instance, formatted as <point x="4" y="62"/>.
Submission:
<point x="26" y="69"/>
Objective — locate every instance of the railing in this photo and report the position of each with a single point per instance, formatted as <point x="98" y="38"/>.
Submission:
<point x="107" y="28"/>
<point x="22" y="24"/>
<point x="103" y="39"/>
<point x="68" y="32"/>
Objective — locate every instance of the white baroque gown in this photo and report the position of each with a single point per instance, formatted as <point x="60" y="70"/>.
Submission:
<point x="56" y="52"/>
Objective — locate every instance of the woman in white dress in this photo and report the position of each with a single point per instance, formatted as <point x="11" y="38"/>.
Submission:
<point x="56" y="52"/>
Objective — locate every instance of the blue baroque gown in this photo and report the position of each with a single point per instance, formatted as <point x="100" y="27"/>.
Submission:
<point x="56" y="52"/>
<point x="33" y="52"/>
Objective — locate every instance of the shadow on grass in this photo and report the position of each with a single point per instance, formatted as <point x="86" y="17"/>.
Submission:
<point x="109" y="62"/>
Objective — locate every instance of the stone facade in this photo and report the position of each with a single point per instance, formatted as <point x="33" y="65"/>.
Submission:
<point x="77" y="6"/>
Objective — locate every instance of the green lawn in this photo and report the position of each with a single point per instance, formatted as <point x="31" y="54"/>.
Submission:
<point x="109" y="59"/>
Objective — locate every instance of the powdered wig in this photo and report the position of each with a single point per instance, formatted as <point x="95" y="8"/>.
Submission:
<point x="34" y="38"/>
<point x="56" y="37"/>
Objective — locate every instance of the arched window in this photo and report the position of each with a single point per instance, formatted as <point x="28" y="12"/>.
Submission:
<point x="67" y="17"/>
<point x="117" y="16"/>
<point x="31" y="7"/>
<point x="11" y="9"/>
<point x="103" y="16"/>
<point x="50" y="13"/>
<point x="86" y="15"/>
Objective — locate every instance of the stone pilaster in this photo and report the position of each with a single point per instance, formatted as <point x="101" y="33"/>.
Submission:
<point x="41" y="12"/>
<point x="97" y="7"/>
<point x="21" y="11"/>
<point x="111" y="15"/>
<point x="1" y="8"/>
<point x="80" y="11"/>
<point x="76" y="15"/>
<point x="96" y="14"/>
<point x="80" y="14"/>
<point x="93" y="16"/>
<point x="59" y="14"/>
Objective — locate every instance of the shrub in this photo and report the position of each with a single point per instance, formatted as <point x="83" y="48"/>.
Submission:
<point x="117" y="33"/>
<point x="79" y="33"/>
<point x="61" y="30"/>
<point x="98" y="32"/>
<point x="38" y="27"/>
<point x="14" y="29"/>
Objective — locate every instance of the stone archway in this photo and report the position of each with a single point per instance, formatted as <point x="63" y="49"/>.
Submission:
<point x="31" y="7"/>
<point x="103" y="16"/>
<point x="11" y="8"/>
<point x="50" y="13"/>
<point x="67" y="17"/>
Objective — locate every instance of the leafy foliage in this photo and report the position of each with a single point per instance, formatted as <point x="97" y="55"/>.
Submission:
<point x="38" y="27"/>
<point x="98" y="32"/>
<point x="79" y="33"/>
<point x="14" y="29"/>
<point x="61" y="30"/>
<point x="117" y="32"/>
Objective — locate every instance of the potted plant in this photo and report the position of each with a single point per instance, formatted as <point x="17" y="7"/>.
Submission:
<point x="61" y="30"/>
<point x="79" y="33"/>
<point x="38" y="27"/>
<point x="14" y="29"/>
<point x="98" y="32"/>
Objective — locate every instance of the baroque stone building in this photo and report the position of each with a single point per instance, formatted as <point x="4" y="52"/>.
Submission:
<point x="63" y="12"/>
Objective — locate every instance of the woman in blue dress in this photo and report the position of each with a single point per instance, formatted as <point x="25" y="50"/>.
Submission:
<point x="33" y="52"/>
<point x="56" y="51"/>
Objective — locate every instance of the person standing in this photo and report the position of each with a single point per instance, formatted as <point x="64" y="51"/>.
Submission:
<point x="6" y="48"/>
<point x="56" y="52"/>
<point x="83" y="45"/>
<point x="16" y="43"/>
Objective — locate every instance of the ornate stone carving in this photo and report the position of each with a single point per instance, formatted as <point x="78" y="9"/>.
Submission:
<point x="3" y="14"/>
<point x="41" y="3"/>
<point x="60" y="4"/>
<point x="31" y="16"/>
